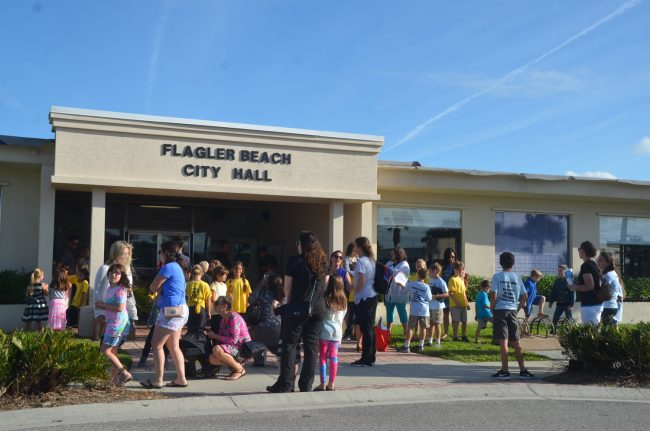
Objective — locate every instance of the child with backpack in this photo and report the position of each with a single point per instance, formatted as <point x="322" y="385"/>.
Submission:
<point x="332" y="330"/>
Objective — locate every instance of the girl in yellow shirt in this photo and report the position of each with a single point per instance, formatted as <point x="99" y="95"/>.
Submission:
<point x="239" y="289"/>
<point x="198" y="295"/>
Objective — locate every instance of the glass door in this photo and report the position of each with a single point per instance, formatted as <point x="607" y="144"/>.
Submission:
<point x="147" y="244"/>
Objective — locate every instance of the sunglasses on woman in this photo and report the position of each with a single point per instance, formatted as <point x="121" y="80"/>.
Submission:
<point x="337" y="257"/>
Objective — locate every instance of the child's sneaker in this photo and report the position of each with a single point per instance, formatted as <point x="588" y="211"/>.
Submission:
<point x="404" y="349"/>
<point x="526" y="375"/>
<point x="437" y="345"/>
<point x="465" y="339"/>
<point x="501" y="375"/>
<point x="429" y="343"/>
<point x="456" y="339"/>
<point x="418" y="348"/>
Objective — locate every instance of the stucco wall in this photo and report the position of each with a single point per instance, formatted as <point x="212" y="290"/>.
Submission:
<point x="19" y="216"/>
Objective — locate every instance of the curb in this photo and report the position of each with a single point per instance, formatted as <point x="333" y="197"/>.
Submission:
<point x="262" y="402"/>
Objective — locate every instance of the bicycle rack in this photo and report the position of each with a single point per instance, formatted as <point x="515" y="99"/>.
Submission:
<point x="536" y="322"/>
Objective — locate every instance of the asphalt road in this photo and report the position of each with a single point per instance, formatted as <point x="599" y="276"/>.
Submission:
<point x="464" y="415"/>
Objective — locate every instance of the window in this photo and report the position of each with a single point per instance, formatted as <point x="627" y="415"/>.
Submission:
<point x="423" y="233"/>
<point x="628" y="238"/>
<point x="538" y="241"/>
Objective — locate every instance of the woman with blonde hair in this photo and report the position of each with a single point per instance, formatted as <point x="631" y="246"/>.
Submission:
<point x="121" y="252"/>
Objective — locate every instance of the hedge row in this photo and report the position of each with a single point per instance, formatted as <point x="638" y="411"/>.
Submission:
<point x="42" y="361"/>
<point x="622" y="350"/>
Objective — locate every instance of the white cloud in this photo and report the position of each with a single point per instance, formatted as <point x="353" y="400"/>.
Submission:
<point x="643" y="147"/>
<point x="158" y="37"/>
<point x="592" y="174"/>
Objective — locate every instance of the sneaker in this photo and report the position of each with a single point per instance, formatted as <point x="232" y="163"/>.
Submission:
<point x="501" y="375"/>
<point x="456" y="339"/>
<point x="404" y="349"/>
<point x="437" y="345"/>
<point x="360" y="363"/>
<point x="419" y="348"/>
<point x="429" y="343"/>
<point x="465" y="339"/>
<point x="526" y="375"/>
<point x="348" y="339"/>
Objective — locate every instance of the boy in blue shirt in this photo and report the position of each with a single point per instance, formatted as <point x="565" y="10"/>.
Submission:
<point x="533" y="297"/>
<point x="508" y="296"/>
<point x="483" y="312"/>
<point x="420" y="294"/>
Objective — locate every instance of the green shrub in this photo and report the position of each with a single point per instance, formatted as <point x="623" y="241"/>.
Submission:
<point x="142" y="302"/>
<point x="623" y="350"/>
<point x="13" y="285"/>
<point x="637" y="289"/>
<point x="41" y="361"/>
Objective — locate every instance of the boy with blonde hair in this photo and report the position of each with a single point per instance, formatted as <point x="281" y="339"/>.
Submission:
<point x="439" y="292"/>
<point x="533" y="297"/>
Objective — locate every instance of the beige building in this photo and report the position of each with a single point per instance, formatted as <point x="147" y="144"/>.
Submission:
<point x="233" y="188"/>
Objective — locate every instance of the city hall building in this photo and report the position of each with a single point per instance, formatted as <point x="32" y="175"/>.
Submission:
<point x="145" y="179"/>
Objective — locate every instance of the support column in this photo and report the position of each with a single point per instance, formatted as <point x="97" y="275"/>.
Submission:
<point x="97" y="232"/>
<point x="359" y="221"/>
<point x="46" y="221"/>
<point x="336" y="226"/>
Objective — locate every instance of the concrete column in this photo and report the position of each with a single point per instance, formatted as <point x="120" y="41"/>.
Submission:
<point x="359" y="221"/>
<point x="97" y="231"/>
<point x="336" y="227"/>
<point x="46" y="221"/>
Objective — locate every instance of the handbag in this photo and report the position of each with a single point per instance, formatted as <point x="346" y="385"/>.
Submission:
<point x="131" y="307"/>
<point x="298" y="309"/>
<point x="172" y="312"/>
<point x="253" y="314"/>
<point x="603" y="291"/>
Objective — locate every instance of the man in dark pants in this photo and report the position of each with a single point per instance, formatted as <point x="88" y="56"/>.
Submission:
<point x="292" y="329"/>
<point x="365" y="314"/>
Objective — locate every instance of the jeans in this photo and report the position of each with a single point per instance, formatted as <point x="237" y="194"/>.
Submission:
<point x="562" y="308"/>
<point x="366" y="310"/>
<point x="609" y="316"/>
<point x="293" y="328"/>
<point x="401" y="312"/>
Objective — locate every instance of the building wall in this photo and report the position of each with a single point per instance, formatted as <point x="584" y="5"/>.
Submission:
<point x="19" y="217"/>
<point x="478" y="234"/>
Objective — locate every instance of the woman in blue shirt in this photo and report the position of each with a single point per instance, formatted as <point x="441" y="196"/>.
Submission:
<point x="170" y="286"/>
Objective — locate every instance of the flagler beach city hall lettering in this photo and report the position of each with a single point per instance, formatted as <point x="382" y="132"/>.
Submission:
<point x="225" y="154"/>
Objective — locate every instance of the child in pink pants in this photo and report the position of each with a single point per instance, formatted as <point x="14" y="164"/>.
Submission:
<point x="332" y="331"/>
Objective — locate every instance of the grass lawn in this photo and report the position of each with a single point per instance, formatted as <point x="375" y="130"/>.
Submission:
<point x="462" y="351"/>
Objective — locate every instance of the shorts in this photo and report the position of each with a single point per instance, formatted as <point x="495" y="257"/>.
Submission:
<point x="435" y="317"/>
<point x="482" y="323"/>
<point x="505" y="325"/>
<point x="459" y="314"/>
<point x="175" y="323"/>
<point x="422" y="321"/>
<point x="117" y="340"/>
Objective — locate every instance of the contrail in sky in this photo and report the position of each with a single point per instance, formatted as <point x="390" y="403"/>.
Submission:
<point x="155" y="54"/>
<point x="417" y="130"/>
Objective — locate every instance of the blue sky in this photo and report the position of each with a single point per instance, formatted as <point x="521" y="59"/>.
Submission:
<point x="545" y="86"/>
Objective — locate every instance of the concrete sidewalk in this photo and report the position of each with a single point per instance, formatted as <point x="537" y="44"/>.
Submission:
<point x="393" y="369"/>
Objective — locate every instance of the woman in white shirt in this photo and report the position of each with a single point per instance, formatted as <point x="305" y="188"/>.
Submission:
<point x="610" y="274"/>
<point x="365" y="300"/>
<point x="398" y="295"/>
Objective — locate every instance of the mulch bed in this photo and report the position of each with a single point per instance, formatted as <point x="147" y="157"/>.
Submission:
<point x="578" y="378"/>
<point x="73" y="396"/>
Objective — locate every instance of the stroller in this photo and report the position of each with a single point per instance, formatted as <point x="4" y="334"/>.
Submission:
<point x="196" y="348"/>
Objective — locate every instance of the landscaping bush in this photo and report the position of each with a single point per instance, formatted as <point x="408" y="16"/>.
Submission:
<point x="41" y="361"/>
<point x="13" y="285"/>
<point x="142" y="302"/>
<point x="637" y="289"/>
<point x="622" y="350"/>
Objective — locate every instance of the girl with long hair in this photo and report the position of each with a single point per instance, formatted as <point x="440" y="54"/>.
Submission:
<point x="59" y="295"/>
<point x="610" y="273"/>
<point x="36" y="309"/>
<point x="332" y="331"/>
<point x="239" y="288"/>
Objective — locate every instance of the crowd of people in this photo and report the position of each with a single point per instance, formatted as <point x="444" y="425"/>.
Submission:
<point x="304" y="314"/>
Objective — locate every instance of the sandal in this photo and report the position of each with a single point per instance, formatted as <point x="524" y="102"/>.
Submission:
<point x="148" y="385"/>
<point x="241" y="374"/>
<point x="173" y="384"/>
